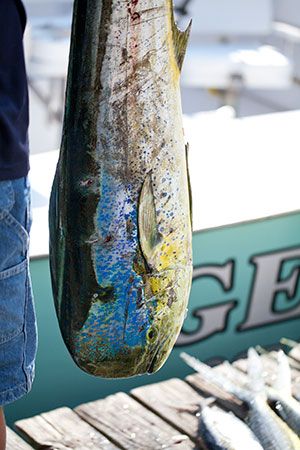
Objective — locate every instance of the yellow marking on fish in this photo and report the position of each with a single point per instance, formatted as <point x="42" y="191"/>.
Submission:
<point x="169" y="251"/>
<point x="155" y="284"/>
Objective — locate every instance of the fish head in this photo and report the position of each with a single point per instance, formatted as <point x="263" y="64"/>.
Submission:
<point x="132" y="336"/>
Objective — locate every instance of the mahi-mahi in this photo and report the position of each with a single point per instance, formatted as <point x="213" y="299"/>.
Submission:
<point x="120" y="216"/>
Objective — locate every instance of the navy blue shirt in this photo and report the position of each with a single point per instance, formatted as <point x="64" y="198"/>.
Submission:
<point x="14" y="117"/>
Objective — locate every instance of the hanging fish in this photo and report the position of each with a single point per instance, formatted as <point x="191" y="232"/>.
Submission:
<point x="120" y="216"/>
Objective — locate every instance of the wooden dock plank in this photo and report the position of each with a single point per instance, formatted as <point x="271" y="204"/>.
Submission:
<point x="64" y="430"/>
<point x="175" y="401"/>
<point x="131" y="425"/>
<point x="158" y="416"/>
<point x="14" y="442"/>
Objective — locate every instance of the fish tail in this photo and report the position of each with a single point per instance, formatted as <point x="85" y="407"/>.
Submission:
<point x="289" y="342"/>
<point x="180" y="38"/>
<point x="260" y="350"/>
<point x="255" y="372"/>
<point x="283" y="382"/>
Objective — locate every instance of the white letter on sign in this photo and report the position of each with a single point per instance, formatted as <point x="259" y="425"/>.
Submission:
<point x="212" y="319"/>
<point x="267" y="284"/>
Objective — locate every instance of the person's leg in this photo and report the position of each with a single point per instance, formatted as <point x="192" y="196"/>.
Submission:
<point x="2" y="430"/>
<point x="17" y="318"/>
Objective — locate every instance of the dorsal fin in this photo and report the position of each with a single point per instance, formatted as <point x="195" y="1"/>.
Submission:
<point x="180" y="39"/>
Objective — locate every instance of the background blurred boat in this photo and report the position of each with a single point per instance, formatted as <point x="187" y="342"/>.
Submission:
<point x="241" y="53"/>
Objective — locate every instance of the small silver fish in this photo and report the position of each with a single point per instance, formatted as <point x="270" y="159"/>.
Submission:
<point x="293" y="363"/>
<point x="294" y="346"/>
<point x="224" y="431"/>
<point x="281" y="395"/>
<point x="270" y="430"/>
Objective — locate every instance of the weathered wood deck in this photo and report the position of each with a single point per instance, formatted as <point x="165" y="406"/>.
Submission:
<point x="157" y="416"/>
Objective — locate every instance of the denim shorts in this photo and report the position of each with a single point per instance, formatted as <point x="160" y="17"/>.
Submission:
<point x="18" y="335"/>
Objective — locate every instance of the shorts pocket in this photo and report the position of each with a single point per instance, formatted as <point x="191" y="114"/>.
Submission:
<point x="19" y="231"/>
<point x="13" y="243"/>
<point x="12" y="301"/>
<point x="14" y="223"/>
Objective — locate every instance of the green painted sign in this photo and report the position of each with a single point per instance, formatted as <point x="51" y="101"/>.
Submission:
<point x="246" y="287"/>
<point x="246" y="291"/>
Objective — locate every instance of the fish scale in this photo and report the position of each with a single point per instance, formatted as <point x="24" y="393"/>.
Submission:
<point x="289" y="410"/>
<point x="120" y="215"/>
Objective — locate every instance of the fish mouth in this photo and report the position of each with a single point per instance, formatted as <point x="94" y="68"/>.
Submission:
<point x="152" y="367"/>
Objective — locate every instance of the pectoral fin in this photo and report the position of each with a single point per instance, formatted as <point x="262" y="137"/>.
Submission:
<point x="148" y="224"/>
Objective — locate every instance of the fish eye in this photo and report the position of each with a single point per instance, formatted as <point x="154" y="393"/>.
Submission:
<point x="152" y="334"/>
